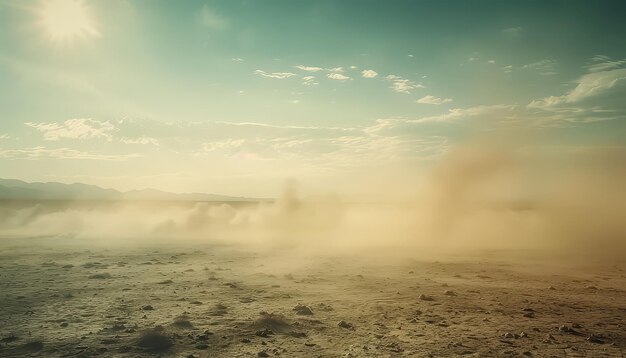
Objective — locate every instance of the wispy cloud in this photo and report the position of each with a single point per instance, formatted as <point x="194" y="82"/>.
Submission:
<point x="433" y="100"/>
<point x="337" y="76"/>
<point x="402" y="85"/>
<point x="308" y="68"/>
<point x="369" y="73"/>
<point x="604" y="63"/>
<point x="77" y="128"/>
<point x="603" y="88"/>
<point x="279" y="75"/>
<point x="544" y="67"/>
<point x="309" y="80"/>
<point x="140" y="140"/>
<point x="513" y="31"/>
<point x="37" y="153"/>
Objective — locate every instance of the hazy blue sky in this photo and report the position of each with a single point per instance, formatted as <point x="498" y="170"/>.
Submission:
<point x="234" y="96"/>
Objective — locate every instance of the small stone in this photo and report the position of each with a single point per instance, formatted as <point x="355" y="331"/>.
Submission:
<point x="303" y="310"/>
<point x="425" y="297"/>
<point x="147" y="308"/>
<point x="449" y="293"/>
<point x="263" y="354"/>
<point x="245" y="340"/>
<point x="346" y="325"/>
<point x="594" y="339"/>
<point x="508" y="335"/>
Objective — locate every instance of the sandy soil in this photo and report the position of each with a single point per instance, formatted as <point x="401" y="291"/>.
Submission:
<point x="207" y="301"/>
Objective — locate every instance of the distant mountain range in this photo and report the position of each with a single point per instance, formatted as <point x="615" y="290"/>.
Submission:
<point x="12" y="189"/>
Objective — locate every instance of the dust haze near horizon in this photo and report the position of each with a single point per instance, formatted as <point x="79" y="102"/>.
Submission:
<point x="504" y="129"/>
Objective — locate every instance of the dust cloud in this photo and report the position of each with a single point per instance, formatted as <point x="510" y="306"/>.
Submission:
<point x="478" y="196"/>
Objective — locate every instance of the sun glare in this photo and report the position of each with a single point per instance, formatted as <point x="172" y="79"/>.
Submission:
<point x="67" y="20"/>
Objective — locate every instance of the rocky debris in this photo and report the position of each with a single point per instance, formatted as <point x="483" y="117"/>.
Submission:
<point x="264" y="333"/>
<point x="508" y="335"/>
<point x="565" y="328"/>
<point x="245" y="340"/>
<point x="147" y="308"/>
<point x="324" y="307"/>
<point x="548" y="339"/>
<point x="303" y="310"/>
<point x="182" y="322"/>
<point x="424" y="297"/>
<point x="346" y="325"/>
<point x="595" y="339"/>
<point x="523" y="334"/>
<point x="100" y="276"/>
<point x="154" y="340"/>
<point x="272" y="321"/>
<point x="202" y="346"/>
<point x="263" y="354"/>
<point x="449" y="293"/>
<point x="551" y="288"/>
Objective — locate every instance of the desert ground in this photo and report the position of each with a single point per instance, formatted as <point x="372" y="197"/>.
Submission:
<point x="63" y="297"/>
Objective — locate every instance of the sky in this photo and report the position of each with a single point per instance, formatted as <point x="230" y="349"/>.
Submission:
<point x="236" y="97"/>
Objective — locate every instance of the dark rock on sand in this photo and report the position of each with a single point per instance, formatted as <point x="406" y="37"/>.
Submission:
<point x="346" y="325"/>
<point x="154" y="340"/>
<point x="303" y="310"/>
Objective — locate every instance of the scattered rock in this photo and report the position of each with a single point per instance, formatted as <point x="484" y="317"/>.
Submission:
<point x="245" y="340"/>
<point x="154" y="340"/>
<point x="100" y="276"/>
<point x="346" y="325"/>
<point x="303" y="310"/>
<point x="424" y="297"/>
<point x="324" y="307"/>
<point x="264" y="333"/>
<point x="263" y="354"/>
<point x="449" y="293"/>
<point x="565" y="328"/>
<point x="147" y="308"/>
<point x="182" y="322"/>
<point x="202" y="346"/>
<point x="595" y="339"/>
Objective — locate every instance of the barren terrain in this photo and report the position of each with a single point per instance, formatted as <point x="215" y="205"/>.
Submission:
<point x="63" y="298"/>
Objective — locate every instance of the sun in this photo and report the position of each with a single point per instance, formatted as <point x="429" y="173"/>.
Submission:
<point x="67" y="20"/>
